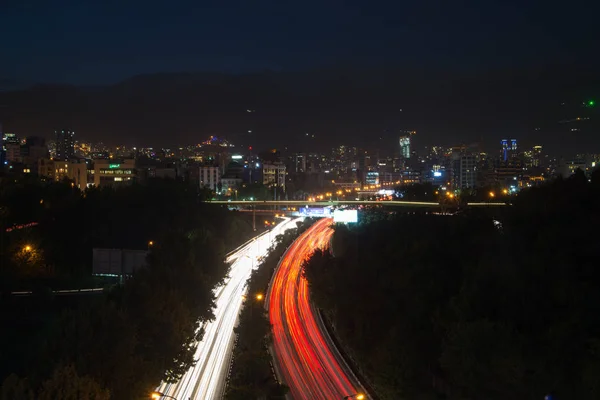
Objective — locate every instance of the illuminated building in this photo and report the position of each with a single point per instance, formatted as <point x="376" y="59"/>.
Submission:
<point x="274" y="174"/>
<point x="467" y="171"/>
<point x="65" y="144"/>
<point x="372" y="178"/>
<point x="114" y="172"/>
<point x="300" y="162"/>
<point x="537" y="155"/>
<point x="209" y="177"/>
<point x="405" y="144"/>
<point x="505" y="149"/>
<point x="57" y="170"/>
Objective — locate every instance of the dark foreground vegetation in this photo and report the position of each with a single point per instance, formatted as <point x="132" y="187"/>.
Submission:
<point x="454" y="307"/>
<point x="251" y="374"/>
<point x="122" y="343"/>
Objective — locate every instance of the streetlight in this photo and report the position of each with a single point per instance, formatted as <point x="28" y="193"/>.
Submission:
<point x="27" y="248"/>
<point x="159" y="395"/>
<point x="358" y="396"/>
<point x="259" y="296"/>
<point x="492" y="194"/>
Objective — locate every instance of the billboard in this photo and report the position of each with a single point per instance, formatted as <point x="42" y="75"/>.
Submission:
<point x="117" y="262"/>
<point x="315" y="212"/>
<point x="345" y="216"/>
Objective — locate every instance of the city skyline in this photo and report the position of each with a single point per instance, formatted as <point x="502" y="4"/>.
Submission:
<point x="302" y="200"/>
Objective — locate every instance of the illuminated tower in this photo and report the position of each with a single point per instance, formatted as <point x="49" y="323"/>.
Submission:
<point x="504" y="143"/>
<point x="405" y="144"/>
<point x="65" y="144"/>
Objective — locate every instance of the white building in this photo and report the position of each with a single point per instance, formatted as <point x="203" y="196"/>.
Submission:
<point x="209" y="177"/>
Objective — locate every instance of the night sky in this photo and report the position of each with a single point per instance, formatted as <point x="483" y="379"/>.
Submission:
<point x="91" y="42"/>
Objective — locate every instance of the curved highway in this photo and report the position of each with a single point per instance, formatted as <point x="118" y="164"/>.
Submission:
<point x="206" y="379"/>
<point x="305" y="358"/>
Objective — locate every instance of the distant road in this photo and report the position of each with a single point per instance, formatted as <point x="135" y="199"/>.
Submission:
<point x="206" y="380"/>
<point x="305" y="357"/>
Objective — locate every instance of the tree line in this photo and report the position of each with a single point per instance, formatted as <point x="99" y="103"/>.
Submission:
<point x="122" y="343"/>
<point x="471" y="306"/>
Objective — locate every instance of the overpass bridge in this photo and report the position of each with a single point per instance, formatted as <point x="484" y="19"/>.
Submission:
<point x="386" y="203"/>
<point x="290" y="207"/>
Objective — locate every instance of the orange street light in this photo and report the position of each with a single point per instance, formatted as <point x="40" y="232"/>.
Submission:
<point x="505" y="191"/>
<point x="259" y="296"/>
<point x="27" y="248"/>
<point x="492" y="194"/>
<point x="150" y="243"/>
<point x="158" y="395"/>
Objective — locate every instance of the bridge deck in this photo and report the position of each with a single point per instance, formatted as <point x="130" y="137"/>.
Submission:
<point x="396" y="203"/>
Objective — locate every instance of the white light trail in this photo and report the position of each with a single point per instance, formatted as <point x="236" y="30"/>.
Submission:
<point x="206" y="380"/>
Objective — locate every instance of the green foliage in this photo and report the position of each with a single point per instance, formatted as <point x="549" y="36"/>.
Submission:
<point x="125" y="341"/>
<point x="15" y="388"/>
<point x="256" y="191"/>
<point x="251" y="375"/>
<point x="452" y="307"/>
<point x="66" y="384"/>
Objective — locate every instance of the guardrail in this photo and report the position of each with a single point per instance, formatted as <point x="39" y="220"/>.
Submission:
<point x="65" y="291"/>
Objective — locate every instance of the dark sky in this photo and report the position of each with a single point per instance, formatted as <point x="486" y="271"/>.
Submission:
<point x="86" y="42"/>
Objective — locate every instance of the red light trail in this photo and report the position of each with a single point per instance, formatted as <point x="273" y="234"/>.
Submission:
<point x="304" y="357"/>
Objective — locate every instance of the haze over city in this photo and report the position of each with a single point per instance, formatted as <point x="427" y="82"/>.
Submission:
<point x="311" y="200"/>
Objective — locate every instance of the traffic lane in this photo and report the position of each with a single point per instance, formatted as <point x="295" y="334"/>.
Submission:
<point x="307" y="365"/>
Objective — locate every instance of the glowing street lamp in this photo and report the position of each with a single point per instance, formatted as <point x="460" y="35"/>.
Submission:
<point x="259" y="296"/>
<point x="27" y="248"/>
<point x="159" y="395"/>
<point x="358" y="396"/>
<point x="492" y="194"/>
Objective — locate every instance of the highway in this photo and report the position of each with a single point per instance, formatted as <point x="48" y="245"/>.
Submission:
<point x="206" y="380"/>
<point x="305" y="358"/>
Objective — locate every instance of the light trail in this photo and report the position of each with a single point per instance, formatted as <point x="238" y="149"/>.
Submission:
<point x="304" y="357"/>
<point x="206" y="380"/>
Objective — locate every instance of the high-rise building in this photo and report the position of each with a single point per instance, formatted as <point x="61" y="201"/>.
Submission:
<point x="537" y="155"/>
<point x="467" y="171"/>
<point x="65" y="144"/>
<point x="405" y="144"/>
<point x="505" y="149"/>
<point x="300" y="162"/>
